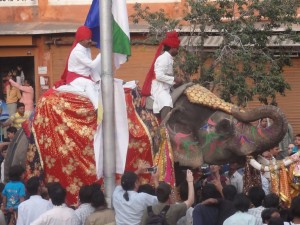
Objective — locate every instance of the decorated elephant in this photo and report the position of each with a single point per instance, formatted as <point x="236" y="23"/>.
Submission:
<point x="200" y="128"/>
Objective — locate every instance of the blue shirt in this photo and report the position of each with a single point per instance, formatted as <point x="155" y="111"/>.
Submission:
<point x="13" y="191"/>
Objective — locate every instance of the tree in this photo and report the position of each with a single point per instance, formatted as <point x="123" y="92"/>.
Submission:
<point x="250" y="60"/>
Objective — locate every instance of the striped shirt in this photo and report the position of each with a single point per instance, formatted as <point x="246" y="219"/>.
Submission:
<point x="17" y="120"/>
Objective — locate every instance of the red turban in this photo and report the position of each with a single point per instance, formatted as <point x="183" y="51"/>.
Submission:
<point x="82" y="33"/>
<point x="170" y="40"/>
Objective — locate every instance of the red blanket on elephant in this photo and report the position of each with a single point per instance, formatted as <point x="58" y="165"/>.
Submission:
<point x="64" y="127"/>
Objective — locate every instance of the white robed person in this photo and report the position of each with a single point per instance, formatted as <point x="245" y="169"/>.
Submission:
<point x="160" y="78"/>
<point x="82" y="76"/>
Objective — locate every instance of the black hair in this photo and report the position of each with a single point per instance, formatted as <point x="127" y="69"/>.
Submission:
<point x="58" y="195"/>
<point x="256" y="195"/>
<point x="266" y="214"/>
<point x="32" y="185"/>
<point x="146" y="188"/>
<point x="12" y="130"/>
<point x="166" y="48"/>
<point x="210" y="191"/>
<point x="241" y="202"/>
<point x="20" y="104"/>
<point x="85" y="194"/>
<point x="271" y="201"/>
<point x="163" y="192"/>
<point x="98" y="199"/>
<point x="29" y="81"/>
<point x="128" y="183"/>
<point x="52" y="186"/>
<point x="184" y="191"/>
<point x="95" y="186"/>
<point x="15" y="172"/>
<point x="295" y="207"/>
<point x="276" y="221"/>
<point x="229" y="192"/>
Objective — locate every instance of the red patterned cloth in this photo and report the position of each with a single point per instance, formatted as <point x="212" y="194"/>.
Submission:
<point x="140" y="136"/>
<point x="64" y="127"/>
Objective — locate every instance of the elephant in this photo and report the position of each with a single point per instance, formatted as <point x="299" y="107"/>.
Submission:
<point x="201" y="128"/>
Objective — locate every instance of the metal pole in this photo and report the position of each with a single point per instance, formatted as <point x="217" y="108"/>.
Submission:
<point x="107" y="87"/>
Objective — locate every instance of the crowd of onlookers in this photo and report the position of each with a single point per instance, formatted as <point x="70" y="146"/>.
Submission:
<point x="213" y="202"/>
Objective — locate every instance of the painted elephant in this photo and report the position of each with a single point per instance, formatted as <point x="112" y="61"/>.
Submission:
<point x="201" y="128"/>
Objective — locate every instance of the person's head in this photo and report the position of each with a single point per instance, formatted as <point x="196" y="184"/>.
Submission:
<point x="271" y="201"/>
<point x="16" y="173"/>
<point x="51" y="187"/>
<point x="241" y="202"/>
<point x="28" y="82"/>
<point x="210" y="191"/>
<point x="33" y="186"/>
<point x="268" y="213"/>
<point x="98" y="199"/>
<point x="275" y="151"/>
<point x="267" y="155"/>
<point x="58" y="195"/>
<point x="163" y="192"/>
<point x="129" y="182"/>
<point x="214" y="168"/>
<point x="233" y="166"/>
<point x="146" y="188"/>
<point x="171" y="43"/>
<point x="263" y="123"/>
<point x="297" y="141"/>
<point x="295" y="207"/>
<point x="256" y="196"/>
<point x="11" y="131"/>
<point x="21" y="108"/>
<point x="276" y="221"/>
<point x="290" y="148"/>
<point x="4" y="151"/>
<point x="84" y="36"/>
<point x="85" y="194"/>
<point x="229" y="192"/>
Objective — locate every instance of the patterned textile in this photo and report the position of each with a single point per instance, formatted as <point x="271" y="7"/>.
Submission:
<point x="251" y="177"/>
<point x="67" y="153"/>
<point x="142" y="125"/>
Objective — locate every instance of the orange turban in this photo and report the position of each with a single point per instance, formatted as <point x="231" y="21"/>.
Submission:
<point x="170" y="40"/>
<point x="83" y="33"/>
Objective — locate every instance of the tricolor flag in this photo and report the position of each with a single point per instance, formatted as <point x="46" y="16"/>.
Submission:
<point x="120" y="29"/>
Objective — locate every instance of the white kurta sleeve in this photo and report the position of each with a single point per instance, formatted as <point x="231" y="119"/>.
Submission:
<point x="96" y="72"/>
<point x="88" y="62"/>
<point x="161" y="67"/>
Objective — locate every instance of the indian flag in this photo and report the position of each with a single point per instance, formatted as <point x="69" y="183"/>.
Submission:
<point x="120" y="29"/>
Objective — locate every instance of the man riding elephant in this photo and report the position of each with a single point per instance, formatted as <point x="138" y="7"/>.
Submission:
<point x="160" y="77"/>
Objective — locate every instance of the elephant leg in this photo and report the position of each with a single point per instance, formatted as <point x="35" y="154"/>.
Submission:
<point x="164" y="112"/>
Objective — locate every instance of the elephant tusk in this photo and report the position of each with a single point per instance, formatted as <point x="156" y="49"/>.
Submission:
<point x="276" y="166"/>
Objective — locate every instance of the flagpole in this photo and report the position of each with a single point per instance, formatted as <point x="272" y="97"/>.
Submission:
<point x="109" y="158"/>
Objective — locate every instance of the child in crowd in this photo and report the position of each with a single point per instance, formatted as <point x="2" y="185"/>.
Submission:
<point x="3" y="154"/>
<point x="13" y="193"/>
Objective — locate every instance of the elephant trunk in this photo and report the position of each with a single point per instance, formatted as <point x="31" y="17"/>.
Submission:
<point x="270" y="136"/>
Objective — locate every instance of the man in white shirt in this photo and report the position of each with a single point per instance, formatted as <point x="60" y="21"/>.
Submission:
<point x="82" y="72"/>
<point x="234" y="177"/>
<point x="60" y="213"/>
<point x="85" y="208"/>
<point x="31" y="209"/>
<point x="161" y="75"/>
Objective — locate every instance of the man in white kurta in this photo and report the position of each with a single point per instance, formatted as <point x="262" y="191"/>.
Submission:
<point x="161" y="86"/>
<point x="82" y="70"/>
<point x="164" y="77"/>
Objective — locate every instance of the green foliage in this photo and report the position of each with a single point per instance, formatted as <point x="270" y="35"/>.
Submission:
<point x="249" y="61"/>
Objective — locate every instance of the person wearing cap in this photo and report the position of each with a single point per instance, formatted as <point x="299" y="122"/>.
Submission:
<point x="81" y="71"/>
<point x="160" y="77"/>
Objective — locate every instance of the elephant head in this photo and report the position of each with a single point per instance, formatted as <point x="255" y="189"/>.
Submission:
<point x="204" y="133"/>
